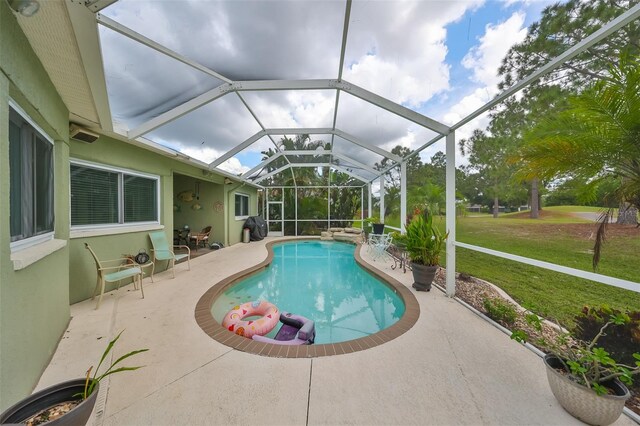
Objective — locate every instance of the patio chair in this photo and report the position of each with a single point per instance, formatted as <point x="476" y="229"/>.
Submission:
<point x="378" y="244"/>
<point x="120" y="269"/>
<point x="162" y="251"/>
<point x="371" y="240"/>
<point x="201" y="237"/>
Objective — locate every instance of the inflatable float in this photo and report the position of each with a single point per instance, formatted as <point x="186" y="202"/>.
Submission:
<point x="235" y="321"/>
<point x="295" y="330"/>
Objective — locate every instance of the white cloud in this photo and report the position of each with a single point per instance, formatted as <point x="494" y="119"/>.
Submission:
<point x="400" y="52"/>
<point x="233" y="166"/>
<point x="393" y="81"/>
<point x="485" y="58"/>
<point x="243" y="40"/>
<point x="206" y="155"/>
<point x="313" y="108"/>
<point x="468" y="104"/>
<point x="287" y="108"/>
<point x="508" y="3"/>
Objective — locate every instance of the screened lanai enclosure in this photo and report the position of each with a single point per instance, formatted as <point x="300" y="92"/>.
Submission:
<point x="282" y="95"/>
<point x="308" y="210"/>
<point x="320" y="168"/>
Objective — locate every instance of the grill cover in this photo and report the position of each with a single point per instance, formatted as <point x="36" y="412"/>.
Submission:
<point x="257" y="227"/>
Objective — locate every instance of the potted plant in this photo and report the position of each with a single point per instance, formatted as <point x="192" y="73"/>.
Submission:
<point x="374" y="222"/>
<point x="67" y="403"/>
<point x="587" y="382"/>
<point x="424" y="242"/>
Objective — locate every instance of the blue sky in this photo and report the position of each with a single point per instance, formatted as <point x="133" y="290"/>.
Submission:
<point x="464" y="34"/>
<point x="438" y="58"/>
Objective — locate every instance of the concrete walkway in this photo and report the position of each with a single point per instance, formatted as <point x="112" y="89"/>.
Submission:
<point x="451" y="368"/>
<point x="593" y="216"/>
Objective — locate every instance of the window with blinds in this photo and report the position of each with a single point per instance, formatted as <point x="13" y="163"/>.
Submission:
<point x="242" y="205"/>
<point x="100" y="196"/>
<point x="140" y="199"/>
<point x="31" y="188"/>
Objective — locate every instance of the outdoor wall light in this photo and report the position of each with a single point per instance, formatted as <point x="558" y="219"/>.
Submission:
<point x="24" y="7"/>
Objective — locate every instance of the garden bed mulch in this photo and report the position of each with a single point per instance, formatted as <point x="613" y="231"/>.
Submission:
<point x="474" y="291"/>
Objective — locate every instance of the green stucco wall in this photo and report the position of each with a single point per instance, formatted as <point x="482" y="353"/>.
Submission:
<point x="209" y="195"/>
<point x="235" y="226"/>
<point x="34" y="301"/>
<point x="175" y="177"/>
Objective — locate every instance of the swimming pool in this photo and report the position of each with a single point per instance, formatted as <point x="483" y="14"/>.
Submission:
<point x="321" y="281"/>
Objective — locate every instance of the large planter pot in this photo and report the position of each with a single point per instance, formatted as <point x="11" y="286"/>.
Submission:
<point x="582" y="402"/>
<point x="378" y="228"/>
<point x="49" y="397"/>
<point x="423" y="276"/>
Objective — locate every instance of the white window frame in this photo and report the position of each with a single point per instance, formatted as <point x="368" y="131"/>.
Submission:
<point x="113" y="169"/>
<point x="36" y="239"/>
<point x="248" y="205"/>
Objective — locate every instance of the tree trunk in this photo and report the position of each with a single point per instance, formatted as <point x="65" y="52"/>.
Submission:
<point x="539" y="201"/>
<point x="627" y="214"/>
<point x="535" y="206"/>
<point x="495" y="207"/>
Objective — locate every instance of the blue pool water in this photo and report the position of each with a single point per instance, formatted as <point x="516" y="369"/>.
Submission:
<point x="321" y="281"/>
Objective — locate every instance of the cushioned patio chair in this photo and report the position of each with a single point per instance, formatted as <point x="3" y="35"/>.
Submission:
<point x="201" y="237"/>
<point x="162" y="251"/>
<point x="120" y="269"/>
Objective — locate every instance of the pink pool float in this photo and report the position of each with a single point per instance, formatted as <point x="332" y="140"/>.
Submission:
<point x="235" y="321"/>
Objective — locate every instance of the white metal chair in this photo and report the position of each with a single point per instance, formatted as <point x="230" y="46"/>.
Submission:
<point x="119" y="270"/>
<point x="378" y="244"/>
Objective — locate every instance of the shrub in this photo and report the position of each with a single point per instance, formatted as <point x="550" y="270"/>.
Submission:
<point x="501" y="311"/>
<point x="584" y="361"/>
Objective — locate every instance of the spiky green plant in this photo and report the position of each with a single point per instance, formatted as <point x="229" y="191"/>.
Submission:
<point x="92" y="382"/>
<point x="424" y="241"/>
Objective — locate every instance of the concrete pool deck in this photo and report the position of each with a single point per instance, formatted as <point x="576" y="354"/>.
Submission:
<point x="450" y="368"/>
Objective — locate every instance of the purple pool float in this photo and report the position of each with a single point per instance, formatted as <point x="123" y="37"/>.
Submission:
<point x="295" y="330"/>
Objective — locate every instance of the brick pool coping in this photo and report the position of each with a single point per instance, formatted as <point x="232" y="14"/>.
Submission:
<point x="215" y="330"/>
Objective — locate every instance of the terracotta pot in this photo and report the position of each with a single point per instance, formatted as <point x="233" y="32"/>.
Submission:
<point x="423" y="276"/>
<point x="49" y="397"/>
<point x="582" y="402"/>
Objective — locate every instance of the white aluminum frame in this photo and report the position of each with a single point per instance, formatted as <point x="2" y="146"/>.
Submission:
<point x="262" y="85"/>
<point x="269" y="220"/>
<point x="329" y="219"/>
<point x="308" y="130"/>
<point x="341" y="85"/>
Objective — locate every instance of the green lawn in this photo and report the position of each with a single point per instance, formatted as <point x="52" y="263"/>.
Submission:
<point x="550" y="294"/>
<point x="558" y="238"/>
<point x="574" y="209"/>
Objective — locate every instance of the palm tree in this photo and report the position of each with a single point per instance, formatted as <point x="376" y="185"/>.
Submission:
<point x="303" y="176"/>
<point x="596" y="138"/>
<point x="428" y="197"/>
